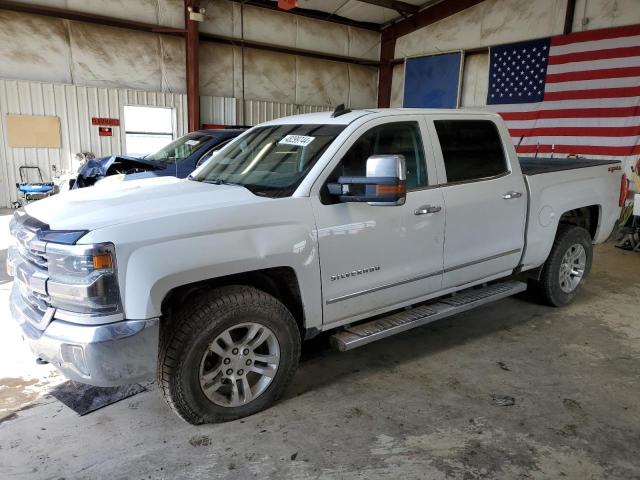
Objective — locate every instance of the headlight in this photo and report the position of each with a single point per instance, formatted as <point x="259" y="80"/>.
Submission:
<point x="83" y="278"/>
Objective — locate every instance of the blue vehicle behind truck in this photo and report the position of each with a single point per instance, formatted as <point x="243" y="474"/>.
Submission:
<point x="177" y="159"/>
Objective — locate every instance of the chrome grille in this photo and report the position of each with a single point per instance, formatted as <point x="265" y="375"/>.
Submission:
<point x="30" y="248"/>
<point x="30" y="269"/>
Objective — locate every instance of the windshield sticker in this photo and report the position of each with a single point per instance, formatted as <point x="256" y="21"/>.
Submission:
<point x="297" y="140"/>
<point x="192" y="142"/>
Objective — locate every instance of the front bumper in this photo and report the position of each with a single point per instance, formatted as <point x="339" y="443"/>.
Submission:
<point x="106" y="355"/>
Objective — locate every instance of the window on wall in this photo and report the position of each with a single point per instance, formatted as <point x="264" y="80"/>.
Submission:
<point x="147" y="129"/>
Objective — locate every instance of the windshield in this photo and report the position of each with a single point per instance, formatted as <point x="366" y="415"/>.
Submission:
<point x="270" y="161"/>
<point x="180" y="149"/>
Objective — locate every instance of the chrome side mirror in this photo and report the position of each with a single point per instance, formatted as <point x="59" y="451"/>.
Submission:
<point x="385" y="183"/>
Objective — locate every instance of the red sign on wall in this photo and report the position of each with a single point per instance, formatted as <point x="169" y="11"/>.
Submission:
<point x="287" y="4"/>
<point x="109" y="122"/>
<point x="105" y="131"/>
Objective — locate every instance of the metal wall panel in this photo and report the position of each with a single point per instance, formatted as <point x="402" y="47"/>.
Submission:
<point x="75" y="106"/>
<point x="258" y="111"/>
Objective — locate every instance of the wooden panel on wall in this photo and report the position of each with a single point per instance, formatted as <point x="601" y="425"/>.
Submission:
<point x="33" y="131"/>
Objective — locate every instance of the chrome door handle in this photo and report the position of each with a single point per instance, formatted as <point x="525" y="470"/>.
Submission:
<point x="511" y="195"/>
<point x="427" y="209"/>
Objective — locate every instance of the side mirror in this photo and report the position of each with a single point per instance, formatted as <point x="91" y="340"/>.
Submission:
<point x="385" y="183"/>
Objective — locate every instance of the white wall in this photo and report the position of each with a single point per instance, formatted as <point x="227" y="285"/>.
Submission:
<point x="74" y="105"/>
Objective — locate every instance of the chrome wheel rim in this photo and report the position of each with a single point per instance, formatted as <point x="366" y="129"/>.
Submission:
<point x="239" y="365"/>
<point x="572" y="267"/>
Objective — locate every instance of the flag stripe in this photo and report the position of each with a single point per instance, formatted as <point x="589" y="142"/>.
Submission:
<point x="593" y="84"/>
<point x="595" y="65"/>
<point x="594" y="93"/>
<point x="576" y="131"/>
<point x="579" y="141"/>
<point x="612" y="103"/>
<point x="604" y="54"/>
<point x="572" y="113"/>
<point x="581" y="149"/>
<point x="593" y="75"/>
<point x="619" y="42"/>
<point x="593" y="35"/>
<point x="572" y="121"/>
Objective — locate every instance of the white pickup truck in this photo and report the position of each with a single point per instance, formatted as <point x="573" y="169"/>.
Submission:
<point x="365" y="223"/>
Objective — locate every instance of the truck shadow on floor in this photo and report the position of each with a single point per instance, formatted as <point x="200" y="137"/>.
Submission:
<point x="321" y="365"/>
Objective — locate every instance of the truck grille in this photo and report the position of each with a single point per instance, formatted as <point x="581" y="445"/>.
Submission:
<point x="30" y="248"/>
<point x="29" y="260"/>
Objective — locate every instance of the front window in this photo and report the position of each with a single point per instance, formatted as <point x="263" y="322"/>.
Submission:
<point x="270" y="161"/>
<point x="180" y="148"/>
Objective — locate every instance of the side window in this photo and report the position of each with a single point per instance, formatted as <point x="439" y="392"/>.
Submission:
<point x="401" y="138"/>
<point x="471" y="149"/>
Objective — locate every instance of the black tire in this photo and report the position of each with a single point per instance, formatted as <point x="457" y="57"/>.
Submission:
<point x="193" y="327"/>
<point x="548" y="287"/>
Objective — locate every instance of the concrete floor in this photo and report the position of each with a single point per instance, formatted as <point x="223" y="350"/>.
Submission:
<point x="425" y="404"/>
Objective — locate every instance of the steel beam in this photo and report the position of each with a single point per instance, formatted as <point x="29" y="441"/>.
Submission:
<point x="398" y="6"/>
<point x="315" y="14"/>
<point x="429" y="15"/>
<point x="568" y="16"/>
<point x="385" y="73"/>
<point x="207" y="37"/>
<point x="192" y="45"/>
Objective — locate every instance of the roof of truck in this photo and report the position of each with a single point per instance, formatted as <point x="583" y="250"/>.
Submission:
<point x="347" y="118"/>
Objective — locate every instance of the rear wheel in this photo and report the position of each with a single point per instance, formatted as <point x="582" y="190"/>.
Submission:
<point x="568" y="264"/>
<point x="228" y="354"/>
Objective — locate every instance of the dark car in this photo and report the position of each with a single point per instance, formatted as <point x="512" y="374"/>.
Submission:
<point x="178" y="159"/>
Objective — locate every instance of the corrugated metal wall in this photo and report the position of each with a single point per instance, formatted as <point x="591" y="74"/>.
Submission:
<point x="75" y="106"/>
<point x="229" y="111"/>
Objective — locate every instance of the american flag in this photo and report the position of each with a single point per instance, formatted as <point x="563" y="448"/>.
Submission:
<point x="571" y="94"/>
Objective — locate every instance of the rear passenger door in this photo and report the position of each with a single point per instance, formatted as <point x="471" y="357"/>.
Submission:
<point x="485" y="201"/>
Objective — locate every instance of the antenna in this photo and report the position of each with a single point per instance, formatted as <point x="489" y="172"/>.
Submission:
<point x="340" y="110"/>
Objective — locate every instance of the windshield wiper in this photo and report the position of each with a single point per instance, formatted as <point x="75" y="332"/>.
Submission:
<point x="219" y="181"/>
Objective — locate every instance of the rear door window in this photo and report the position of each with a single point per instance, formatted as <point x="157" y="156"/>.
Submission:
<point x="471" y="149"/>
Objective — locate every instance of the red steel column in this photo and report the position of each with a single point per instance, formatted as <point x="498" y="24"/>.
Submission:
<point x="387" y="52"/>
<point x="192" y="67"/>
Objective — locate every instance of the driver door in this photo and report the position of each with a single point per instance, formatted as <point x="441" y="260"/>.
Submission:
<point x="376" y="258"/>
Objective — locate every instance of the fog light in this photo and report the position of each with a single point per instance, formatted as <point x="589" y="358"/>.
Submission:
<point x="74" y="354"/>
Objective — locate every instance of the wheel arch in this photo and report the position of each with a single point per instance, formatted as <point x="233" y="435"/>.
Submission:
<point x="280" y="282"/>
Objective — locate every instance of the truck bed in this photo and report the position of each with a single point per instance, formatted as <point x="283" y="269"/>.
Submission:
<point x="536" y="166"/>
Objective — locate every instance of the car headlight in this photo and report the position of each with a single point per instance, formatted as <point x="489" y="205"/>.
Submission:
<point x="83" y="278"/>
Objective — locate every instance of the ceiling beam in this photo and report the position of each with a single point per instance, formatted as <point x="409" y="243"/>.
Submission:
<point x="207" y="37"/>
<point x="398" y="6"/>
<point x="429" y="15"/>
<point x="315" y="14"/>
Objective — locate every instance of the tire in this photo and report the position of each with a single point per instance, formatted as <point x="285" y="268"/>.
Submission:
<point x="550" y="289"/>
<point x="187" y="344"/>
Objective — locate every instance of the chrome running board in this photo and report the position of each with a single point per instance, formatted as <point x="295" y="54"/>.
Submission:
<point x="363" y="333"/>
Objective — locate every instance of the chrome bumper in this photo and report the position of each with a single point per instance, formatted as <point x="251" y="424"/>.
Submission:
<point x="107" y="355"/>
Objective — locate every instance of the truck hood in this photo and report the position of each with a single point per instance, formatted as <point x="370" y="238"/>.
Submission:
<point x="113" y="202"/>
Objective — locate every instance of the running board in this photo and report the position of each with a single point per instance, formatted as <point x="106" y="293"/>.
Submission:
<point x="363" y="333"/>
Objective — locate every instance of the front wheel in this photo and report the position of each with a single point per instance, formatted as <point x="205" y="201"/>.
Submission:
<point x="228" y="354"/>
<point x="568" y="264"/>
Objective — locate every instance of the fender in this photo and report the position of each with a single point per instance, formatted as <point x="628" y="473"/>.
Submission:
<point x="216" y="243"/>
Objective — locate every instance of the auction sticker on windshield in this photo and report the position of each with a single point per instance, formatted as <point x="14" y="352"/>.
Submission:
<point x="297" y="140"/>
<point x="192" y="142"/>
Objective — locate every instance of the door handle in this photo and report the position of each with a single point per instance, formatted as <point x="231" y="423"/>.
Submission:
<point x="511" y="195"/>
<point x="427" y="209"/>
